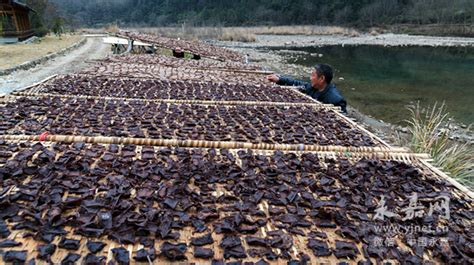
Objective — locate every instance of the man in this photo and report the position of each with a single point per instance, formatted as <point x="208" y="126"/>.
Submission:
<point x="320" y="87"/>
<point x="178" y="52"/>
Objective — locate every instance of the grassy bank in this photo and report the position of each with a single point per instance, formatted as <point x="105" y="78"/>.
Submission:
<point x="248" y="34"/>
<point x="243" y="34"/>
<point x="17" y="54"/>
<point x="429" y="134"/>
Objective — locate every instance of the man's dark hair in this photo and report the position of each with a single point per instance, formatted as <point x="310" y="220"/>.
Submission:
<point x="324" y="69"/>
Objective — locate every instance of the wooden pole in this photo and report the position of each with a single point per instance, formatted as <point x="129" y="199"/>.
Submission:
<point x="443" y="175"/>
<point x="180" y="101"/>
<point x="35" y="84"/>
<point x="210" y="144"/>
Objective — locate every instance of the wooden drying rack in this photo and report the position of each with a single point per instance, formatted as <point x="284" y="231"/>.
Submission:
<point x="160" y="45"/>
<point x="300" y="242"/>
<point x="352" y="153"/>
<point x="399" y="154"/>
<point x="205" y="144"/>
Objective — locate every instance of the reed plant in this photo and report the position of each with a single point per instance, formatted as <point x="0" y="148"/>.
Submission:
<point x="430" y="133"/>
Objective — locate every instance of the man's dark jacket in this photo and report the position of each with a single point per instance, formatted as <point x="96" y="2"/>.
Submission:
<point x="330" y="95"/>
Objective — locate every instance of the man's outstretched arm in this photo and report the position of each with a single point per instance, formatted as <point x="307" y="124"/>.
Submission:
<point x="286" y="81"/>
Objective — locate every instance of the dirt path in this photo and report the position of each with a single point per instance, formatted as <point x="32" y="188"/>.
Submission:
<point x="71" y="62"/>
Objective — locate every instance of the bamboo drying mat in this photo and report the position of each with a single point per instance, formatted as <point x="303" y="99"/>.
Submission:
<point x="330" y="110"/>
<point x="35" y="89"/>
<point x="40" y="89"/>
<point x="300" y="242"/>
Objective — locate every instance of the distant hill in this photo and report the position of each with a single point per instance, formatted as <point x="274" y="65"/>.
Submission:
<point x="265" y="12"/>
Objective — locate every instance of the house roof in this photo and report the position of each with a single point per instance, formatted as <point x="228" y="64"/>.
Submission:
<point x="18" y="4"/>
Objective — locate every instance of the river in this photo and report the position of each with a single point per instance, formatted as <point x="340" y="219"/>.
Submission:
<point x="382" y="81"/>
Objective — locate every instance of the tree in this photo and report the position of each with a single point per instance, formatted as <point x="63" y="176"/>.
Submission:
<point x="44" y="17"/>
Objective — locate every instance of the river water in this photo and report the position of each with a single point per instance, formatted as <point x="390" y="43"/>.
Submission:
<point x="382" y="81"/>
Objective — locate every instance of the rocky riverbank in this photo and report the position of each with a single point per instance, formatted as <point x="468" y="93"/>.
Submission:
<point x="388" y="39"/>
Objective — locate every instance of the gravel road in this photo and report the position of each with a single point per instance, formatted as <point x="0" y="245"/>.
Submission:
<point x="71" y="62"/>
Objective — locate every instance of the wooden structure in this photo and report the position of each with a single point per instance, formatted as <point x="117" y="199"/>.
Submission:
<point x="288" y="207"/>
<point x="14" y="21"/>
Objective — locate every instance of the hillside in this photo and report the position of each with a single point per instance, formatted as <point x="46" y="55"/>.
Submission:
<point x="359" y="13"/>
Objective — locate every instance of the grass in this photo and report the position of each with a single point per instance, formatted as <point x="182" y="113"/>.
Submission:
<point x="243" y="34"/>
<point x="17" y="54"/>
<point x="429" y="128"/>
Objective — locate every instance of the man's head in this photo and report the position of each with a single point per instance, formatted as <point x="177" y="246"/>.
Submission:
<point x="321" y="76"/>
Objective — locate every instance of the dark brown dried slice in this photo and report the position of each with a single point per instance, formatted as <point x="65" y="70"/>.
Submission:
<point x="348" y="232"/>
<point x="46" y="237"/>
<point x="237" y="252"/>
<point x="4" y="231"/>
<point x="317" y="234"/>
<point x="203" y="240"/>
<point x="229" y="241"/>
<point x="95" y="246"/>
<point x="203" y="253"/>
<point x="319" y="248"/>
<point x="256" y="241"/>
<point x="70" y="259"/>
<point x="46" y="251"/>
<point x="147" y="242"/>
<point x="8" y="210"/>
<point x="14" y="256"/>
<point x="346" y="249"/>
<point x="71" y="244"/>
<point x="9" y="243"/>
<point x="174" y="251"/>
<point x="121" y="255"/>
<point x="145" y="255"/>
<point x="92" y="259"/>
<point x="199" y="225"/>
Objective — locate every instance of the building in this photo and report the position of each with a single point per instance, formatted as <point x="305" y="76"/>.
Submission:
<point x="14" y="21"/>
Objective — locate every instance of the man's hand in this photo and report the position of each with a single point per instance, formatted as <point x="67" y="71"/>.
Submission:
<point x="273" y="78"/>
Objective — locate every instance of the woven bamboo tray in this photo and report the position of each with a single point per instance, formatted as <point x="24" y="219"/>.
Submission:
<point x="161" y="90"/>
<point x="320" y="110"/>
<point x="300" y="242"/>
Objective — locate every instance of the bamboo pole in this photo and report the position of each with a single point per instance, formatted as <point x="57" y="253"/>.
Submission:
<point x="211" y="144"/>
<point x="159" y="78"/>
<point x="36" y="84"/>
<point x="443" y="175"/>
<point x="204" y="68"/>
<point x="180" y="101"/>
